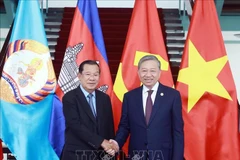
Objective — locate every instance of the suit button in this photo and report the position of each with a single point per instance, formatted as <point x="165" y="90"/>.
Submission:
<point x="146" y="143"/>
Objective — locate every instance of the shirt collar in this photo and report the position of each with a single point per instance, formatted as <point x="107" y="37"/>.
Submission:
<point x="85" y="92"/>
<point x="155" y="88"/>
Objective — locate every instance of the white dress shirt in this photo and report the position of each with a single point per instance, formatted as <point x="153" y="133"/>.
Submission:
<point x="145" y="95"/>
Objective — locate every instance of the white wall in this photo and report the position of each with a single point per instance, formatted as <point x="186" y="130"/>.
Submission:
<point x="111" y="3"/>
<point x="3" y="35"/>
<point x="233" y="51"/>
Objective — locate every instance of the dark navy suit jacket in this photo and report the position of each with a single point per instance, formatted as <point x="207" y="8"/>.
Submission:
<point x="163" y="137"/>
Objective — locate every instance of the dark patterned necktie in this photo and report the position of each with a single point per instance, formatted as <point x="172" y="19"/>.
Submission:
<point x="91" y="104"/>
<point x="149" y="105"/>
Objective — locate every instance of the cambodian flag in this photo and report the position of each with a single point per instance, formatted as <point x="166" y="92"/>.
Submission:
<point x="85" y="42"/>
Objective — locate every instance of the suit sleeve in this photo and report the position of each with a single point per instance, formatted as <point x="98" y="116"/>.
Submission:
<point x="123" y="127"/>
<point x="178" y="136"/>
<point x="73" y="121"/>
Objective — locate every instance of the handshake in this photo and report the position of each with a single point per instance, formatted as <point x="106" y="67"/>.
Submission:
<point x="111" y="146"/>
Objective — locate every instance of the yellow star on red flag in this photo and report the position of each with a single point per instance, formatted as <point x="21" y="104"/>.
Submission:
<point x="202" y="76"/>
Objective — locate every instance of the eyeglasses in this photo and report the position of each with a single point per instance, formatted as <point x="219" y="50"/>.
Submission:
<point x="88" y="75"/>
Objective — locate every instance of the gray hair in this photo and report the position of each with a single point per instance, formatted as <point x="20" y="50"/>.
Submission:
<point x="147" y="58"/>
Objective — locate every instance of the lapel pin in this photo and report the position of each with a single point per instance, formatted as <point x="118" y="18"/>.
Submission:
<point x="161" y="94"/>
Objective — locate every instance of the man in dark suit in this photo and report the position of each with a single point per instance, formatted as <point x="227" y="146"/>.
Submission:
<point x="88" y="115"/>
<point x="152" y="116"/>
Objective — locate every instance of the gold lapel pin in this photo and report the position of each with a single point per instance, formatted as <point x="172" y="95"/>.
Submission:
<point x="161" y="94"/>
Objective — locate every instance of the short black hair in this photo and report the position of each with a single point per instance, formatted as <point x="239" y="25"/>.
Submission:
<point x="90" y="62"/>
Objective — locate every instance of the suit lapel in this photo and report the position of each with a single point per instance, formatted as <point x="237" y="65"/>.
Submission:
<point x="99" y="107"/>
<point x="84" y="104"/>
<point x="139" y="104"/>
<point x="157" y="103"/>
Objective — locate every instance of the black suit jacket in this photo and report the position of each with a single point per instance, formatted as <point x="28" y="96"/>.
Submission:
<point x="84" y="133"/>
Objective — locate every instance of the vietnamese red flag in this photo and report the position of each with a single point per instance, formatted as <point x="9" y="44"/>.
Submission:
<point x="207" y="88"/>
<point x="144" y="37"/>
<point x="85" y="43"/>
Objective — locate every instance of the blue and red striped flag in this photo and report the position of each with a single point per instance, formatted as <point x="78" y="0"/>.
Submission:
<point x="85" y="42"/>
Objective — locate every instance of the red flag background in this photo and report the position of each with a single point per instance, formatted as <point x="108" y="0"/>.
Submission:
<point x="207" y="89"/>
<point x="144" y="37"/>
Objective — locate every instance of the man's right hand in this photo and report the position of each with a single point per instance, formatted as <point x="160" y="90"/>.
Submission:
<point x="111" y="146"/>
<point x="115" y="145"/>
<point x="106" y="145"/>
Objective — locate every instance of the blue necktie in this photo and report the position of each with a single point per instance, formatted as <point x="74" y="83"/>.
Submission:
<point x="149" y="105"/>
<point x="91" y="104"/>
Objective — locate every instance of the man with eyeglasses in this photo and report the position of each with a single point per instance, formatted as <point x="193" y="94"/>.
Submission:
<point x="152" y="117"/>
<point x="88" y="115"/>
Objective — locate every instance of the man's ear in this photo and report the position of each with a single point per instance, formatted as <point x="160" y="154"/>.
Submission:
<point x="79" y="75"/>
<point x="138" y="73"/>
<point x="160" y="73"/>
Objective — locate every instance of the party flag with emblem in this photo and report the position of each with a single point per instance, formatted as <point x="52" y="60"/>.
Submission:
<point x="27" y="85"/>
<point x="207" y="88"/>
<point x="144" y="38"/>
<point x="85" y="42"/>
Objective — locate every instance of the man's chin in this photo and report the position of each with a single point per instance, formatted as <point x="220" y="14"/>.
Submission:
<point x="148" y="83"/>
<point x="93" y="87"/>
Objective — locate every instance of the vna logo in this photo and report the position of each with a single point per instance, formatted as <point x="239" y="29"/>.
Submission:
<point x="28" y="75"/>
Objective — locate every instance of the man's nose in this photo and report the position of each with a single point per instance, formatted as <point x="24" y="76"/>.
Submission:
<point x="91" y="77"/>
<point x="148" y="73"/>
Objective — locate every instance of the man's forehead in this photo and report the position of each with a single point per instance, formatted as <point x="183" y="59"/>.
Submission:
<point x="90" y="66"/>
